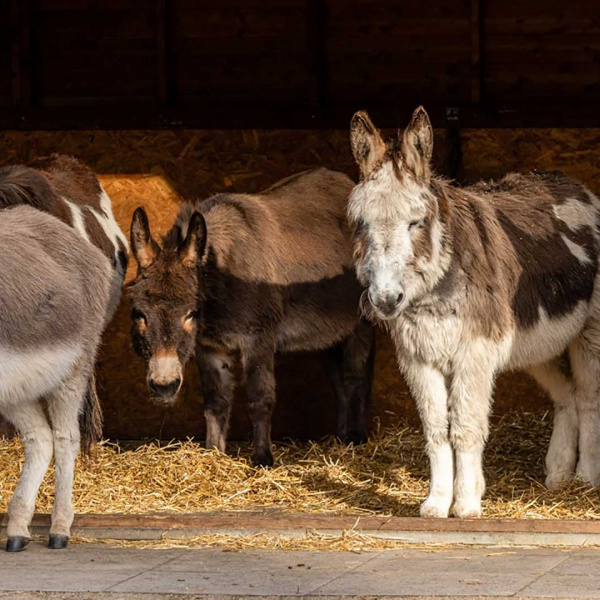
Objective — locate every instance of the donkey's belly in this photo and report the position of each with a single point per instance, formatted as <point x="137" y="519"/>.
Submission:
<point x="546" y="339"/>
<point x="28" y="374"/>
<point x="319" y="314"/>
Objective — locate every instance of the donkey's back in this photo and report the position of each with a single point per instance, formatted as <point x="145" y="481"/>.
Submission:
<point x="293" y="232"/>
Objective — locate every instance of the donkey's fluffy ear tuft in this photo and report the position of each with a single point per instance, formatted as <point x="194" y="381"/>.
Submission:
<point x="417" y="144"/>
<point x="367" y="145"/>
<point x="193" y="248"/>
<point x="145" y="249"/>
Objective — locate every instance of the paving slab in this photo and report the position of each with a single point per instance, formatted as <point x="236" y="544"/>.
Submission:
<point x="97" y="571"/>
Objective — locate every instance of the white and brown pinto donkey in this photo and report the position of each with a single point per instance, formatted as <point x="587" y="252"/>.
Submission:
<point x="62" y="262"/>
<point x="474" y="281"/>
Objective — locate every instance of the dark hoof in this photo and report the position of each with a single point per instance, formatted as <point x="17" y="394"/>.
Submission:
<point x="58" y="541"/>
<point x="355" y="438"/>
<point x="16" y="543"/>
<point x="264" y="459"/>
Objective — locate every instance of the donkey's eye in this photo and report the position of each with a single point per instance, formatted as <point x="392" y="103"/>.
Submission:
<point x="137" y="315"/>
<point x="414" y="224"/>
<point x="192" y="315"/>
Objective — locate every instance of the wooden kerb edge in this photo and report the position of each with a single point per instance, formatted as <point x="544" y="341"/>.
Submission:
<point x="270" y="521"/>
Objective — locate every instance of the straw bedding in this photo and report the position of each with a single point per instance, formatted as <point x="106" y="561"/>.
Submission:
<point x="386" y="476"/>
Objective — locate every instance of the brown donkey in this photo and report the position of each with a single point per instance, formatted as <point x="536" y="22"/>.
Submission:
<point x="62" y="260"/>
<point x="241" y="277"/>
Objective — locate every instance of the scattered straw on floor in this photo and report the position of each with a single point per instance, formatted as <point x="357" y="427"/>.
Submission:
<point x="386" y="476"/>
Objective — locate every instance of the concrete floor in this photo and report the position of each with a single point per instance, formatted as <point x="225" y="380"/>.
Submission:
<point x="89" y="571"/>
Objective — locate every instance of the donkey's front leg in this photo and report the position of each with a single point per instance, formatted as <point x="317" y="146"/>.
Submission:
<point x="64" y="406"/>
<point x="470" y="400"/>
<point x="30" y="421"/>
<point x="428" y="386"/>
<point x="218" y="385"/>
<point x="260" y="386"/>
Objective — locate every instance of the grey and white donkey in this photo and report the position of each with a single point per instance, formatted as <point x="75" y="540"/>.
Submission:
<point x="474" y="281"/>
<point x="62" y="262"/>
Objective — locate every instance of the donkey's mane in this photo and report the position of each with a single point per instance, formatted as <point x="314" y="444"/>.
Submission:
<point x="22" y="185"/>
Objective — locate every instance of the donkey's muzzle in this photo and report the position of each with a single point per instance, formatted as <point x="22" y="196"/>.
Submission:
<point x="165" y="391"/>
<point x="387" y="306"/>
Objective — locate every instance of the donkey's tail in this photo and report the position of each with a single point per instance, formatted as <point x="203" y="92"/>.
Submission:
<point x="90" y="419"/>
<point x="23" y="185"/>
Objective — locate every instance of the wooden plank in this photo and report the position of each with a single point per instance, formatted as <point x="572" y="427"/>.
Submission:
<point x="235" y="115"/>
<point x="268" y="520"/>
<point x="316" y="31"/>
<point x="477" y="77"/>
<point x="15" y="52"/>
<point x="161" y="52"/>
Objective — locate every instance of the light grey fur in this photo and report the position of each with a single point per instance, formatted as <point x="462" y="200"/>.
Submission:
<point x="54" y="300"/>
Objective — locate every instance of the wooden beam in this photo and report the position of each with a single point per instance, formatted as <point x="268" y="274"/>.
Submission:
<point x="161" y="52"/>
<point x="476" y="51"/>
<point x="15" y="51"/>
<point x="316" y="34"/>
<point x="274" y="520"/>
<point x="242" y="116"/>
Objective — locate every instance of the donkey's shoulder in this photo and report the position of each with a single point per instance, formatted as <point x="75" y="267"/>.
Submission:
<point x="70" y="179"/>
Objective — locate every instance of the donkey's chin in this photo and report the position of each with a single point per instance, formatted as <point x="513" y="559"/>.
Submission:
<point x="164" y="398"/>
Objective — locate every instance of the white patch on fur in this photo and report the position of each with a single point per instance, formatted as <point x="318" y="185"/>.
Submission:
<point x="574" y="213"/>
<point x="577" y="251"/>
<point x="547" y="338"/>
<point x="27" y="375"/>
<point x="78" y="222"/>
<point x="116" y="233"/>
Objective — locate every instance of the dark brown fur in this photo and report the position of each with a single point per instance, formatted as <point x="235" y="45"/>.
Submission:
<point x="273" y="274"/>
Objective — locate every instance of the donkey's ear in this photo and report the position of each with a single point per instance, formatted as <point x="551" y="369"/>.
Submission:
<point x="368" y="147"/>
<point x="417" y="144"/>
<point x="145" y="249"/>
<point x="192" y="249"/>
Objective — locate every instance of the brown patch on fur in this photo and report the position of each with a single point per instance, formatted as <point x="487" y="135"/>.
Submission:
<point x="97" y="234"/>
<point x="70" y="178"/>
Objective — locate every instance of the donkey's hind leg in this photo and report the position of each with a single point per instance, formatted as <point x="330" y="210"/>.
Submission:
<point x="585" y="364"/>
<point x="351" y="371"/>
<point x="31" y="422"/>
<point x="64" y="405"/>
<point x="555" y="378"/>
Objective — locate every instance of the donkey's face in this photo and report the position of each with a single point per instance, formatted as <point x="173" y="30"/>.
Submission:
<point x="166" y="298"/>
<point x="397" y="233"/>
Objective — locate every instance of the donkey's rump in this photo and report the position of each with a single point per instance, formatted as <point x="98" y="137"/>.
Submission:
<point x="51" y="282"/>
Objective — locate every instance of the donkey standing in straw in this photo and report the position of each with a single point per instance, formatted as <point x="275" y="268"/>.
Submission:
<point x="62" y="262"/>
<point x="242" y="276"/>
<point x="474" y="281"/>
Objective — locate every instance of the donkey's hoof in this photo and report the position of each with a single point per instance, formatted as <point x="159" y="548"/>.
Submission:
<point x="16" y="543"/>
<point x="58" y="541"/>
<point x="263" y="459"/>
<point x="355" y="438"/>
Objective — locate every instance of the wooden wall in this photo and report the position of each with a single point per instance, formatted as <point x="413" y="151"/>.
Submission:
<point x="296" y="63"/>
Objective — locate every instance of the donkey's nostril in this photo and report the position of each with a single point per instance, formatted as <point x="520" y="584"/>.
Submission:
<point x="399" y="298"/>
<point x="166" y="389"/>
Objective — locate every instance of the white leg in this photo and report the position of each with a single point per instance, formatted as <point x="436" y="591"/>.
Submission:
<point x="64" y="405"/>
<point x="470" y="401"/>
<point x="428" y="387"/>
<point x="30" y="421"/>
<point x="585" y="365"/>
<point x="562" y="451"/>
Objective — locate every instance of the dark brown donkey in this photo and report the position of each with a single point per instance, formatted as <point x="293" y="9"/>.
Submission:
<point x="240" y="277"/>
